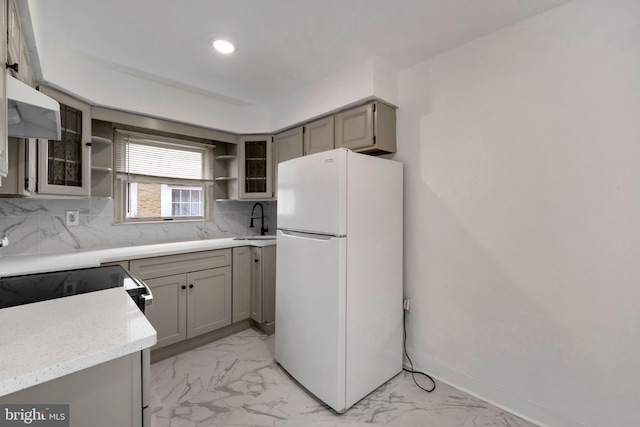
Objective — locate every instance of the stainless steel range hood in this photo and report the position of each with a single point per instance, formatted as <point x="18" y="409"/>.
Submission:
<point x="31" y="114"/>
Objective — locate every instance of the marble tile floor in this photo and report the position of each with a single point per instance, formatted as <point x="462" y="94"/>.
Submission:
<point x="235" y="382"/>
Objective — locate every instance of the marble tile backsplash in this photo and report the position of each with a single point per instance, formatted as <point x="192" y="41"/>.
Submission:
<point x="37" y="226"/>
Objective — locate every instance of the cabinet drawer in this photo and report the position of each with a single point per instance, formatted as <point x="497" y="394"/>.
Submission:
<point x="175" y="264"/>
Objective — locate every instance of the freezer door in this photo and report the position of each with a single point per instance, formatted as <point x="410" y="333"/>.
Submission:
<point x="312" y="193"/>
<point x="310" y="313"/>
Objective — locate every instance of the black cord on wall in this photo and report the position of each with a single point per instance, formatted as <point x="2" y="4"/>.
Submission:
<point x="413" y="371"/>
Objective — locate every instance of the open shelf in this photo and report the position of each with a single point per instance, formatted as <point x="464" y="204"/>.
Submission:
<point x="101" y="162"/>
<point x="101" y="169"/>
<point x="100" y="140"/>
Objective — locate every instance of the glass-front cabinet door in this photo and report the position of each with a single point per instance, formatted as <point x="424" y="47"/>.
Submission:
<point x="64" y="166"/>
<point x="256" y="167"/>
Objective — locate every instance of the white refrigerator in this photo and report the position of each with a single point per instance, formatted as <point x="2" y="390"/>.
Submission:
<point x="339" y="274"/>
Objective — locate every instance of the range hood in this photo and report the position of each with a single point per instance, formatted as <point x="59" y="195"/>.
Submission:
<point x="31" y="114"/>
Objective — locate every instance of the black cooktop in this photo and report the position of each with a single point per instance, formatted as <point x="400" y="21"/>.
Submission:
<point x="18" y="290"/>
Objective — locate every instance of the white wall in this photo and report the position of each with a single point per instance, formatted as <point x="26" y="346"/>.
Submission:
<point x="372" y="77"/>
<point x="102" y="84"/>
<point x="522" y="214"/>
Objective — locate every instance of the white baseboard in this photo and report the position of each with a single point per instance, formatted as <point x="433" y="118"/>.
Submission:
<point x="495" y="395"/>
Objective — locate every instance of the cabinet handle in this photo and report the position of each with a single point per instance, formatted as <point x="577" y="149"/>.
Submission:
<point x="184" y="286"/>
<point x="190" y="286"/>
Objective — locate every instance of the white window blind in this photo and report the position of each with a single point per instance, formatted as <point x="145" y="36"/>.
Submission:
<point x="143" y="155"/>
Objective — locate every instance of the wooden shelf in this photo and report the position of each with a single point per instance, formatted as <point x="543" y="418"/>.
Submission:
<point x="226" y="157"/>
<point x="225" y="178"/>
<point x="101" y="169"/>
<point x="100" y="140"/>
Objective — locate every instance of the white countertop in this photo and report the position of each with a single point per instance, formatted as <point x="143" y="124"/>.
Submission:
<point x="31" y="264"/>
<point x="49" y="339"/>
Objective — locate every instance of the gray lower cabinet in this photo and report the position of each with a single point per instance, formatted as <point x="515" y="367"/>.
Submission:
<point x="106" y="395"/>
<point x="263" y="287"/>
<point x="241" y="283"/>
<point x="168" y="312"/>
<point x="208" y="300"/>
<point x="192" y="293"/>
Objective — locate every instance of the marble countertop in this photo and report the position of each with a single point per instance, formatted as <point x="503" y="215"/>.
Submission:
<point x="50" y="339"/>
<point x="32" y="264"/>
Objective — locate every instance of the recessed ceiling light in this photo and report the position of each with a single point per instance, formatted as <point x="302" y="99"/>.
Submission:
<point x="223" y="46"/>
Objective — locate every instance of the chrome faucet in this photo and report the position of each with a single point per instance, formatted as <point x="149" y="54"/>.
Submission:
<point x="263" y="229"/>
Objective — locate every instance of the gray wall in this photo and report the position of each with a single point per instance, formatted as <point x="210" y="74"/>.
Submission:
<point x="36" y="226"/>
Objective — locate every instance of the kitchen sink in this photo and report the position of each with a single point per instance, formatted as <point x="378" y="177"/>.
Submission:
<point x="255" y="238"/>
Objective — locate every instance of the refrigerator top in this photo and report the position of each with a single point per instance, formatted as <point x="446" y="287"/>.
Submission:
<point x="312" y="193"/>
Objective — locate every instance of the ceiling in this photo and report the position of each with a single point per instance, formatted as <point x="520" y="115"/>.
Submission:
<point x="282" y="45"/>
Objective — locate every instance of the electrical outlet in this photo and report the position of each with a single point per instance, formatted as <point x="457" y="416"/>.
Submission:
<point x="406" y="304"/>
<point x="72" y="218"/>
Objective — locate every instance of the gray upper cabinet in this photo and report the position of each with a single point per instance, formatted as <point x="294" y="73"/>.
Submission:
<point x="64" y="167"/>
<point x="21" y="177"/>
<point x="370" y="128"/>
<point x="4" y="157"/>
<point x="255" y="167"/>
<point x="288" y="145"/>
<point x="14" y="33"/>
<point x="318" y="136"/>
<point x="18" y="52"/>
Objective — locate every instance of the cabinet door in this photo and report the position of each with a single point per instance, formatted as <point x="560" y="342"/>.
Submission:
<point x="288" y="145"/>
<point x="354" y="128"/>
<point x="105" y="395"/>
<point x="4" y="157"/>
<point x="268" y="262"/>
<point x="14" y="33"/>
<point x="241" y="283"/>
<point x="318" y="136"/>
<point x="256" y="284"/>
<point x="65" y="166"/>
<point x="168" y="311"/>
<point x="256" y="167"/>
<point x="208" y="300"/>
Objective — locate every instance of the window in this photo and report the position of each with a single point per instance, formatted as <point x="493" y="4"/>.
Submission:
<point x="161" y="179"/>
<point x="185" y="201"/>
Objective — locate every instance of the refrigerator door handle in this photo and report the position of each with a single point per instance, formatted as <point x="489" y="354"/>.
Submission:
<point x="307" y="235"/>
